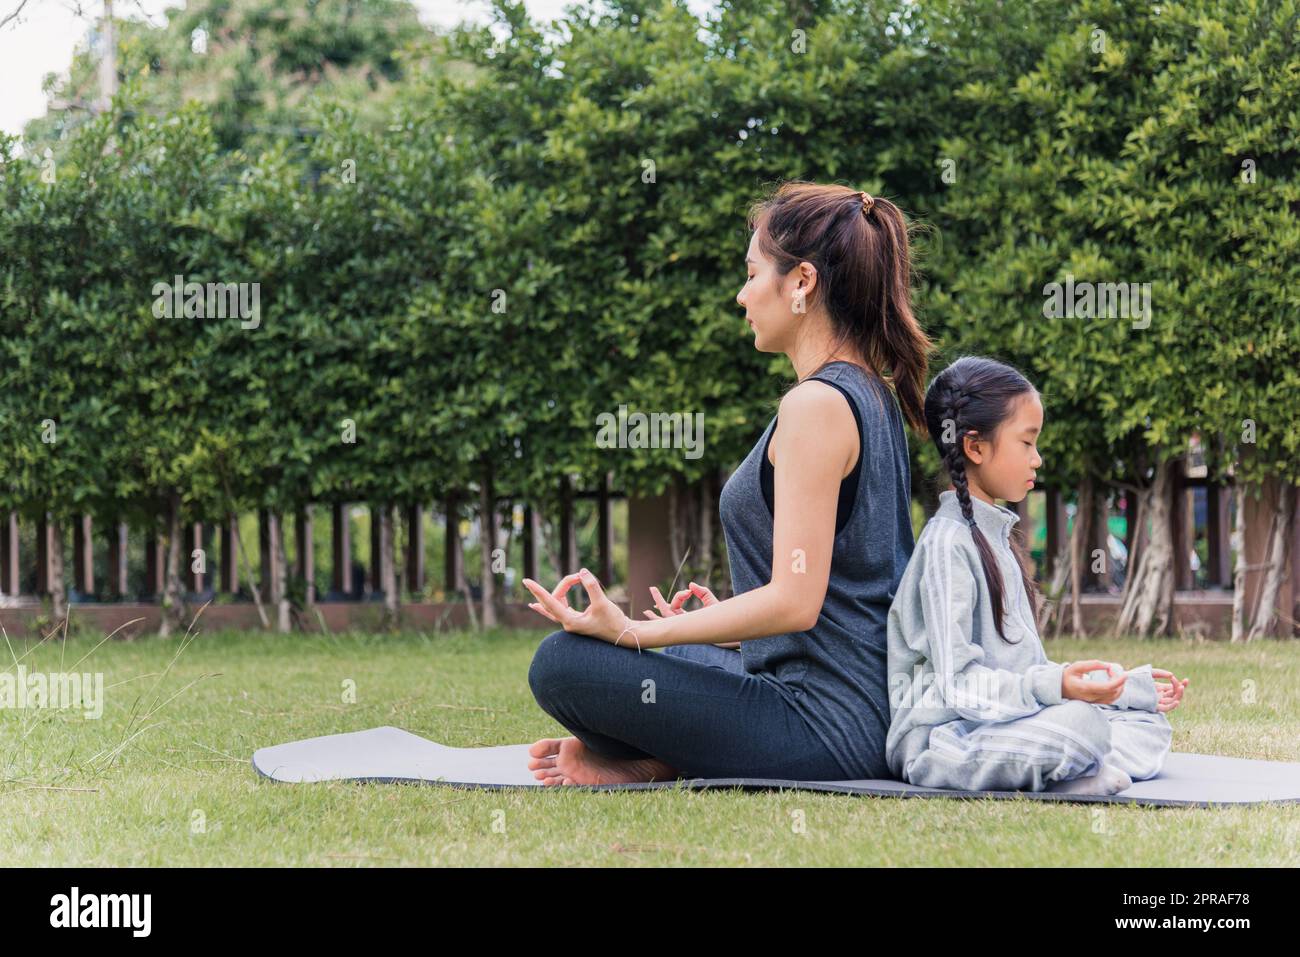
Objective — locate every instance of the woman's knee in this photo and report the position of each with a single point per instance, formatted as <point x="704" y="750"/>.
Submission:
<point x="554" y="661"/>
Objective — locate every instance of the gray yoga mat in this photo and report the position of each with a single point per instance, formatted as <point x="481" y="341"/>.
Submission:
<point x="391" y="755"/>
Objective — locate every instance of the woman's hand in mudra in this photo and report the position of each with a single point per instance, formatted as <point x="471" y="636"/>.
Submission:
<point x="668" y="609"/>
<point x="674" y="607"/>
<point x="601" y="619"/>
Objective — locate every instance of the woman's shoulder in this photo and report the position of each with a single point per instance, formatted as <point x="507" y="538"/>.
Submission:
<point x="870" y="393"/>
<point x="811" y="394"/>
<point x="843" y="395"/>
<point x="817" y="406"/>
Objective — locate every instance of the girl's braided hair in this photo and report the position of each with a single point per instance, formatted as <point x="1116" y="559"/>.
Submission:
<point x="971" y="399"/>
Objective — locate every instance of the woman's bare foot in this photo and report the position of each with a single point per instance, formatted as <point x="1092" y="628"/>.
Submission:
<point x="569" y="761"/>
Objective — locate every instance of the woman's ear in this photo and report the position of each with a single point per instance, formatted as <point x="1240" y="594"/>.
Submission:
<point x="806" y="278"/>
<point x="808" y="271"/>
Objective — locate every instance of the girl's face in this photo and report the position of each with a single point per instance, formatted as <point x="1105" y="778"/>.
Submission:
<point x="768" y="301"/>
<point x="1005" y="468"/>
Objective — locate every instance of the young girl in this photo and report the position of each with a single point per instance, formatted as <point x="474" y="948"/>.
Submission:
<point x="975" y="704"/>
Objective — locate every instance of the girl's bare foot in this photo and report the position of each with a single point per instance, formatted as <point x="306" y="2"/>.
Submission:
<point x="1109" y="780"/>
<point x="556" y="761"/>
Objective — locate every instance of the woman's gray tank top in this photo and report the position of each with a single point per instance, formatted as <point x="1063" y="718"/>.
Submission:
<point x="835" y="674"/>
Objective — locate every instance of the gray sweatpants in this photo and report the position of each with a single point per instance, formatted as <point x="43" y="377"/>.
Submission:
<point x="1059" y="743"/>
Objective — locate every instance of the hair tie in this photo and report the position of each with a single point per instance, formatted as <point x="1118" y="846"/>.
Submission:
<point x="867" y="202"/>
<point x="970" y="522"/>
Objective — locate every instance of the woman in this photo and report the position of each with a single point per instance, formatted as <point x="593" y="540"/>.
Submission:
<point x="818" y="526"/>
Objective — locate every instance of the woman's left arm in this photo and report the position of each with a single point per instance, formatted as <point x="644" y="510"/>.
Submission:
<point x="815" y="439"/>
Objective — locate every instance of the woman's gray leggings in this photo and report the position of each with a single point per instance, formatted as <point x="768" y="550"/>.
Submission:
<point x="691" y="706"/>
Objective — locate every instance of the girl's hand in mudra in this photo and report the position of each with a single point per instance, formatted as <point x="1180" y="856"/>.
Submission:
<point x="1076" y="683"/>
<point x="601" y="619"/>
<point x="1170" y="693"/>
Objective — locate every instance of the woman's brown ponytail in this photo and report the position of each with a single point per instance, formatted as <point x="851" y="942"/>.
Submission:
<point x="861" y="250"/>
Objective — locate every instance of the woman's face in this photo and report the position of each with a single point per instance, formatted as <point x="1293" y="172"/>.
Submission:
<point x="769" y="301"/>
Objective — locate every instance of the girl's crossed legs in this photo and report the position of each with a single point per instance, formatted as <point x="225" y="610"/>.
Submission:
<point x="1060" y="743"/>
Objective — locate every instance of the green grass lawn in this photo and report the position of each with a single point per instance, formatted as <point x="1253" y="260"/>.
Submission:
<point x="173" y="746"/>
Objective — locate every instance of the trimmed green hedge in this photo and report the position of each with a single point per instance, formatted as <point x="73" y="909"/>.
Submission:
<point x="560" y="230"/>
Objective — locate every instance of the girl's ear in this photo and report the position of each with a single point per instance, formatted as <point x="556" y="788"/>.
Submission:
<point x="975" y="448"/>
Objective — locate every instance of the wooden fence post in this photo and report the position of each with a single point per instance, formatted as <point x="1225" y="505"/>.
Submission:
<point x="453" y="551"/>
<point x="10" y="580"/>
<point x="530" y="543"/>
<point x="605" y="525"/>
<point x="155" y="572"/>
<point x="304" y="560"/>
<point x="230" y="554"/>
<point x="1181" y="529"/>
<point x="1056" y="530"/>
<point x="341" y="552"/>
<point x="194" y="581"/>
<point x="415" y="549"/>
<point x="83" y="550"/>
<point x="44" y="558"/>
<point x="117" y="534"/>
<point x="1218" y="498"/>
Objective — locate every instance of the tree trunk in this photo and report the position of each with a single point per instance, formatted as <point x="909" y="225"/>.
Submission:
<point x="676" y="546"/>
<point x="1079" y="557"/>
<point x="253" y="585"/>
<point x="1277" y="551"/>
<point x="1240" y="569"/>
<point x="173" y="609"/>
<point x="693" y="533"/>
<point x="570" y="560"/>
<point x="487" y="542"/>
<point x="58" y="590"/>
<point x="550" y="534"/>
<point x="387" y="566"/>
<point x="705" y="489"/>
<point x="279" y="575"/>
<point x="1052" y="610"/>
<point x="925" y="491"/>
<point x="1101" y="538"/>
<point x="1062" y="576"/>
<point x="1146" y="608"/>
<point x="723" y="586"/>
<point x="507" y="531"/>
<point x="460" y="585"/>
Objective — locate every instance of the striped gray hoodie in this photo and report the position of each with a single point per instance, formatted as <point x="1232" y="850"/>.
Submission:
<point x="946" y="660"/>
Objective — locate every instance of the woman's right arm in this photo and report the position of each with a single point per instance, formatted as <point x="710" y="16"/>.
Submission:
<point x="815" y="437"/>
